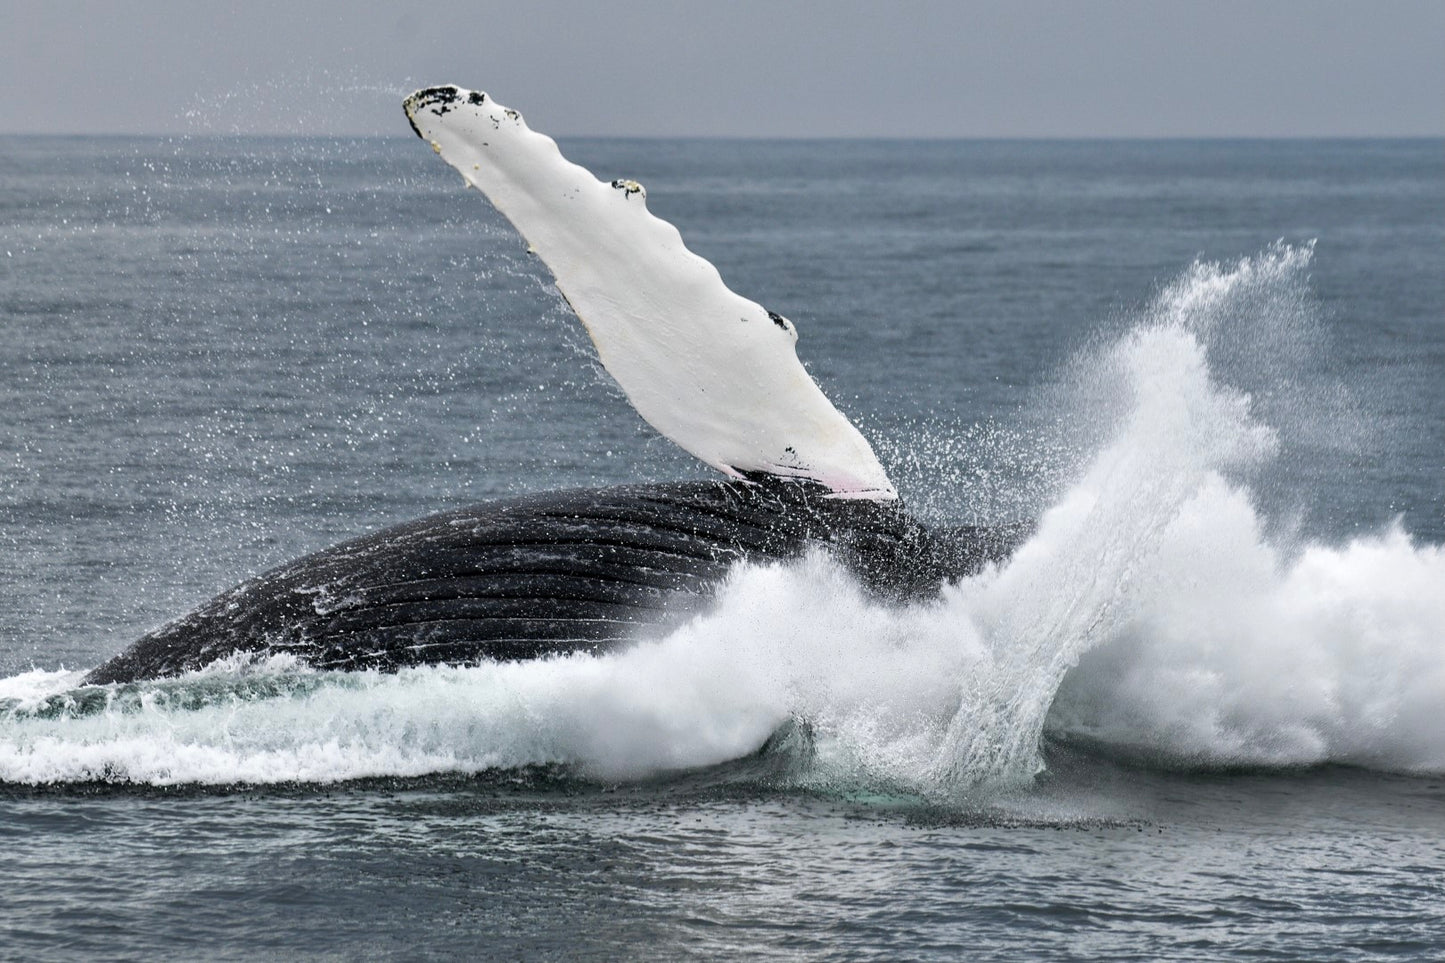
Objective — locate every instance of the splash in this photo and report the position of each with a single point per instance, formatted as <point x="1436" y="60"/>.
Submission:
<point x="713" y="691"/>
<point x="272" y="107"/>
<point x="1154" y="612"/>
<point x="1065" y="591"/>
<point x="1232" y="654"/>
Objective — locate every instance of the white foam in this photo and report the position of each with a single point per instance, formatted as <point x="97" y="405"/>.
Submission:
<point x="28" y="689"/>
<point x="1151" y="612"/>
<point x="1232" y="654"/>
<point x="783" y="641"/>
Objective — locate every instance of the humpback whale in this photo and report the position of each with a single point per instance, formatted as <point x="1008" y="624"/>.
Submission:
<point x="592" y="569"/>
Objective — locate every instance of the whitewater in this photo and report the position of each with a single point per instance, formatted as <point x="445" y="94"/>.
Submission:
<point x="1154" y="614"/>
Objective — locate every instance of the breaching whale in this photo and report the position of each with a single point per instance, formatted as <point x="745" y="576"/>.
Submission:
<point x="591" y="569"/>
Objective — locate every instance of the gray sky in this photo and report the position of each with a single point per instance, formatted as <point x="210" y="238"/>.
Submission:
<point x="1091" y="68"/>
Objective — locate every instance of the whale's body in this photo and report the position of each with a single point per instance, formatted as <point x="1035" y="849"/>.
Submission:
<point x="588" y="570"/>
<point x="584" y="570"/>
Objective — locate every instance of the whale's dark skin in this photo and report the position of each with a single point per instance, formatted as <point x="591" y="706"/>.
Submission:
<point x="571" y="571"/>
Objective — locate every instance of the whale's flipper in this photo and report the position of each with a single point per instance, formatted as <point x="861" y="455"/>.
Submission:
<point x="712" y="371"/>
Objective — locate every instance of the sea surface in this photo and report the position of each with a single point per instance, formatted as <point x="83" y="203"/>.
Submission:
<point x="1199" y="715"/>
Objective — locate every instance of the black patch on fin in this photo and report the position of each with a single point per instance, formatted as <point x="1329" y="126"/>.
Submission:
<point x="436" y="95"/>
<point x="778" y="319"/>
<point x="431" y="96"/>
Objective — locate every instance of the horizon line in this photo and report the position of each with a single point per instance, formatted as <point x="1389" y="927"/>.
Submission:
<point x="800" y="138"/>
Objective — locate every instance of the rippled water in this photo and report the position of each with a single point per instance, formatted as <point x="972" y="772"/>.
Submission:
<point x="1196" y="716"/>
<point x="1332" y="864"/>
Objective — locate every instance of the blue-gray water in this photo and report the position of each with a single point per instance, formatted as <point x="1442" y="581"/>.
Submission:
<point x="1225" y="647"/>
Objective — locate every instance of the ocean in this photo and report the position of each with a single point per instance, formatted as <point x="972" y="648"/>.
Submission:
<point x="1200" y="714"/>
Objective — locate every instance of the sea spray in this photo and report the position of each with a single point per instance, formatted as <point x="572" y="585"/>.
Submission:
<point x="1235" y="653"/>
<point x="1201" y="640"/>
<point x="1063" y="590"/>
<point x="789" y="641"/>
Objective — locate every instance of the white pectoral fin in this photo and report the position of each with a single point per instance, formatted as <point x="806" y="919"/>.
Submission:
<point x="714" y="372"/>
